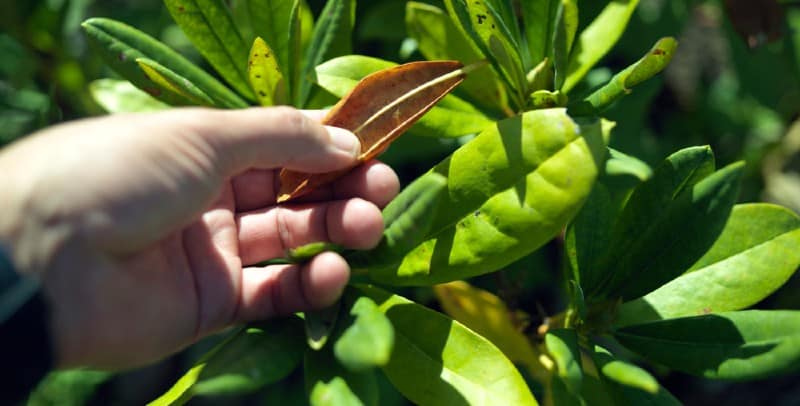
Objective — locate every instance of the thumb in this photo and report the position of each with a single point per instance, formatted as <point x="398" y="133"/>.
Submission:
<point x="267" y="138"/>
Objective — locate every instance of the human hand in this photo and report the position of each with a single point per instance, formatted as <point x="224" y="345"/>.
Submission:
<point x="142" y="227"/>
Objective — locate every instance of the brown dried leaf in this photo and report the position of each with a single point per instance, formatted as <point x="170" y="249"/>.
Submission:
<point x="378" y="110"/>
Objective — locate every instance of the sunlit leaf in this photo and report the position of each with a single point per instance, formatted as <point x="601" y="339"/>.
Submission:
<point x="265" y="76"/>
<point x="120" y="96"/>
<point x="169" y="81"/>
<point x="368" y="341"/>
<point x="328" y="384"/>
<point x="209" y="25"/>
<point x="755" y="254"/>
<point x="438" y="361"/>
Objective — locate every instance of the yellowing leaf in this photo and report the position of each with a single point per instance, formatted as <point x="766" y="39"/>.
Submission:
<point x="487" y="315"/>
<point x="264" y="74"/>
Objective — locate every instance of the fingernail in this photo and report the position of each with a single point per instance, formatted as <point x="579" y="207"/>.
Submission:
<point x="344" y="140"/>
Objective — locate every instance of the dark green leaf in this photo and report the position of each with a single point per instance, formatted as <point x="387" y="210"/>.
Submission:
<point x="368" y="341"/>
<point x="640" y="232"/>
<point x="331" y="38"/>
<point x="121" y="45"/>
<point x="565" y="26"/>
<point x="209" y="25"/>
<point x="320" y="325"/>
<point x="437" y="361"/>
<point x="328" y="384"/>
<point x="755" y="254"/>
<point x="626" y="383"/>
<point x="271" y="20"/>
<point x="539" y="17"/>
<point x="256" y="355"/>
<point x="562" y="345"/>
<point x="598" y="38"/>
<point x="736" y="345"/>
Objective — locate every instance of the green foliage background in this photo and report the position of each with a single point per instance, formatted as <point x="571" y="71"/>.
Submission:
<point x="743" y="102"/>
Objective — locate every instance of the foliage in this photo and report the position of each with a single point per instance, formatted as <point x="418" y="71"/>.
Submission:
<point x="659" y="264"/>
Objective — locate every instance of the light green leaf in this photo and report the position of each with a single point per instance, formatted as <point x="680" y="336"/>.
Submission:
<point x="510" y="190"/>
<point x="120" y="96"/>
<point x="565" y="26"/>
<point x="265" y="76"/>
<point x="328" y="384"/>
<point x="451" y="117"/>
<point x="209" y="25"/>
<point x="368" y="341"/>
<point x="256" y="355"/>
<point x="331" y="38"/>
<point x="437" y="361"/>
<point x="748" y="344"/>
<point x="623" y="373"/>
<point x="621" y="84"/>
<point x="562" y="345"/>
<point x="121" y="45"/>
<point x="755" y="254"/>
<point x="539" y="18"/>
<point x="439" y="38"/>
<point x="72" y="387"/>
<point x="169" y="81"/>
<point x="597" y="39"/>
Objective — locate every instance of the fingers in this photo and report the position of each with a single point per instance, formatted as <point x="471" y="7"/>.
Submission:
<point x="267" y="233"/>
<point x="285" y="289"/>
<point x="272" y="137"/>
<point x="373" y="181"/>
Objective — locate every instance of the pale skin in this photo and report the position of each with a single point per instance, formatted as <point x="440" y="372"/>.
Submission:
<point x="144" y="229"/>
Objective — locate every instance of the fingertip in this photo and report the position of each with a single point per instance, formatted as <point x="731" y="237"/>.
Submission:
<point x="355" y="223"/>
<point x="324" y="279"/>
<point x="344" y="141"/>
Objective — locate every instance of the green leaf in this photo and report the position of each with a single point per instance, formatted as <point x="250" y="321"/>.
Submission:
<point x="621" y="84"/>
<point x="484" y="26"/>
<point x="509" y="190"/>
<point x="168" y="81"/>
<point x="625" y="383"/>
<point x="271" y="21"/>
<point x="368" y="341"/>
<point x="597" y="39"/>
<point x="320" y="325"/>
<point x="688" y="227"/>
<point x="437" y="361"/>
<point x="539" y="19"/>
<point x="121" y="45"/>
<point x="209" y="25"/>
<point x="755" y="254"/>
<point x="667" y="224"/>
<point x="297" y="25"/>
<point x="120" y="96"/>
<point x="67" y="387"/>
<point x="562" y="345"/>
<point x="748" y="344"/>
<point x="407" y="220"/>
<point x="256" y="355"/>
<point x="587" y="238"/>
<point x="331" y="38"/>
<point x="439" y="38"/>
<point x="451" y="117"/>
<point x="623" y="373"/>
<point x="565" y="26"/>
<point x="328" y="384"/>
<point x="265" y="75"/>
